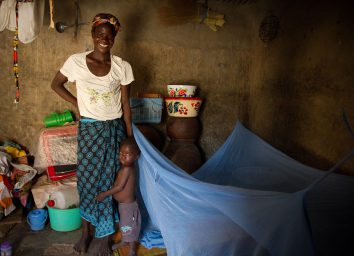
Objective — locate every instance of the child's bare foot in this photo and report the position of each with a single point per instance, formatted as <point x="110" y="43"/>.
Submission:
<point x="119" y="245"/>
<point x="82" y="245"/>
<point x="104" y="248"/>
<point x="132" y="249"/>
<point x="132" y="253"/>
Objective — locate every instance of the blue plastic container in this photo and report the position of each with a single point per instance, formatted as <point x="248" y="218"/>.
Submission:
<point x="37" y="218"/>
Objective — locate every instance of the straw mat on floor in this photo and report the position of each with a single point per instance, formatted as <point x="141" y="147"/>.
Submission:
<point x="142" y="251"/>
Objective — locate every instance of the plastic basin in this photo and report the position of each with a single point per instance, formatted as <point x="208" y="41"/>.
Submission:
<point x="64" y="220"/>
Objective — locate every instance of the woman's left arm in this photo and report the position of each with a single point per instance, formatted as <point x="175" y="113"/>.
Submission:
<point x="126" y="109"/>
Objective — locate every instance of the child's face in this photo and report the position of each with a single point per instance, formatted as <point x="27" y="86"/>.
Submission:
<point x="127" y="155"/>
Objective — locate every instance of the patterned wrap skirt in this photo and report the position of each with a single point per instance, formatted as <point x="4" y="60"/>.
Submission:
<point x="98" y="163"/>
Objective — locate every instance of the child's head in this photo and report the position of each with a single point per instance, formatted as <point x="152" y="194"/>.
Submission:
<point x="129" y="152"/>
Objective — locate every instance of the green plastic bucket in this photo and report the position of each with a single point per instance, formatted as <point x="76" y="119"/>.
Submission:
<point x="64" y="220"/>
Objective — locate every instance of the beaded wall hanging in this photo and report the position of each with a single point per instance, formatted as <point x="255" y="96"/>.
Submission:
<point x="15" y="57"/>
<point x="15" y="53"/>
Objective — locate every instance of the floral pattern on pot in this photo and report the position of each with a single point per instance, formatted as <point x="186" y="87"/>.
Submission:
<point x="174" y="107"/>
<point x="180" y="92"/>
<point x="196" y="106"/>
<point x="183" y="107"/>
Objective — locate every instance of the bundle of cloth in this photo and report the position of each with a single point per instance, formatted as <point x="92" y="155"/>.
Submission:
<point x="16" y="177"/>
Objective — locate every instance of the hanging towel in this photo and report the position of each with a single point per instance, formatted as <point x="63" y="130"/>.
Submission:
<point x="30" y="20"/>
<point x="7" y="15"/>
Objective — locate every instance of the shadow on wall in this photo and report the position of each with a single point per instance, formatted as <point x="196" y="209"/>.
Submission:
<point x="296" y="102"/>
<point x="141" y="69"/>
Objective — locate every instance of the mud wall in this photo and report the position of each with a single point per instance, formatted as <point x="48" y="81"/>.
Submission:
<point x="291" y="90"/>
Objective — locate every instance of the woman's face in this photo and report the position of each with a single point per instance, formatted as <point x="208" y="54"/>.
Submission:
<point x="103" y="38"/>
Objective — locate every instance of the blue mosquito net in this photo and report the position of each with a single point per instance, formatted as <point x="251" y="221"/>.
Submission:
<point x="247" y="199"/>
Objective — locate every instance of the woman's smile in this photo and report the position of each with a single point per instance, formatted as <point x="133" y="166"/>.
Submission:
<point x="103" y="37"/>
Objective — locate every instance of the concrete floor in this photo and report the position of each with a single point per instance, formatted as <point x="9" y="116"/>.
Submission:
<point x="47" y="242"/>
<point x="26" y="242"/>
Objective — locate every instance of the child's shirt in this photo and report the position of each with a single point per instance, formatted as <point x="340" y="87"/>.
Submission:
<point x="98" y="97"/>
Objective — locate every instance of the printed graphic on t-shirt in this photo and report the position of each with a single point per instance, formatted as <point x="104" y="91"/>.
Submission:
<point x="100" y="98"/>
<point x="104" y="99"/>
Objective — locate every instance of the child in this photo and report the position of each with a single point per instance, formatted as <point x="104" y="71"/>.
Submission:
<point x="124" y="193"/>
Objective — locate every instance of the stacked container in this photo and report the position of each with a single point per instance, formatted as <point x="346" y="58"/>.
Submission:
<point x="181" y="101"/>
<point x="183" y="127"/>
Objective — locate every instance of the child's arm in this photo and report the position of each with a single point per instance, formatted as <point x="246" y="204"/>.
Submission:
<point x="122" y="181"/>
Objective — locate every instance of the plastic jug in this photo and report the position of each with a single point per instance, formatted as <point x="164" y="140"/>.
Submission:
<point x="64" y="198"/>
<point x="56" y="119"/>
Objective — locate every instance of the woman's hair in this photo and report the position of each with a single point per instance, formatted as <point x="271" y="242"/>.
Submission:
<point x="106" y="18"/>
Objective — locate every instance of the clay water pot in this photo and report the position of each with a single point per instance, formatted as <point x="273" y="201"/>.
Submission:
<point x="152" y="135"/>
<point x="187" y="156"/>
<point x="183" y="129"/>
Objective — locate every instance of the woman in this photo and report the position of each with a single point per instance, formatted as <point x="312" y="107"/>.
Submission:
<point x="102" y="83"/>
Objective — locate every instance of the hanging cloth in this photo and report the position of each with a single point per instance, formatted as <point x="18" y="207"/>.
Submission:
<point x="7" y="15"/>
<point x="30" y="20"/>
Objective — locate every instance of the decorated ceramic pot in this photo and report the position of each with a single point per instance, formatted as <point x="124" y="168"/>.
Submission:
<point x="181" y="90"/>
<point x="183" y="107"/>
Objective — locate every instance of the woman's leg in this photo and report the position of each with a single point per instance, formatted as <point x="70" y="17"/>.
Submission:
<point x="82" y="245"/>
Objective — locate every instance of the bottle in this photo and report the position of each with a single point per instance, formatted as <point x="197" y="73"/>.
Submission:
<point x="6" y="249"/>
<point x="64" y="198"/>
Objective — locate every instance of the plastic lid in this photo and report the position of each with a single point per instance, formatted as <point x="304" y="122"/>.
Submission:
<point x="37" y="213"/>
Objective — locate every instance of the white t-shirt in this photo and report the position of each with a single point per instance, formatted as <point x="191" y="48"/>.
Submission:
<point x="98" y="97"/>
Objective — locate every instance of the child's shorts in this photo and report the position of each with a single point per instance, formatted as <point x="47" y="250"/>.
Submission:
<point x="129" y="221"/>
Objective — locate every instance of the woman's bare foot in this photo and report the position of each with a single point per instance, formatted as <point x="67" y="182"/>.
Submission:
<point x="82" y="245"/>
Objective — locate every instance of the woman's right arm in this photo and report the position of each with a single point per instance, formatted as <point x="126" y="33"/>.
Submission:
<point x="58" y="86"/>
